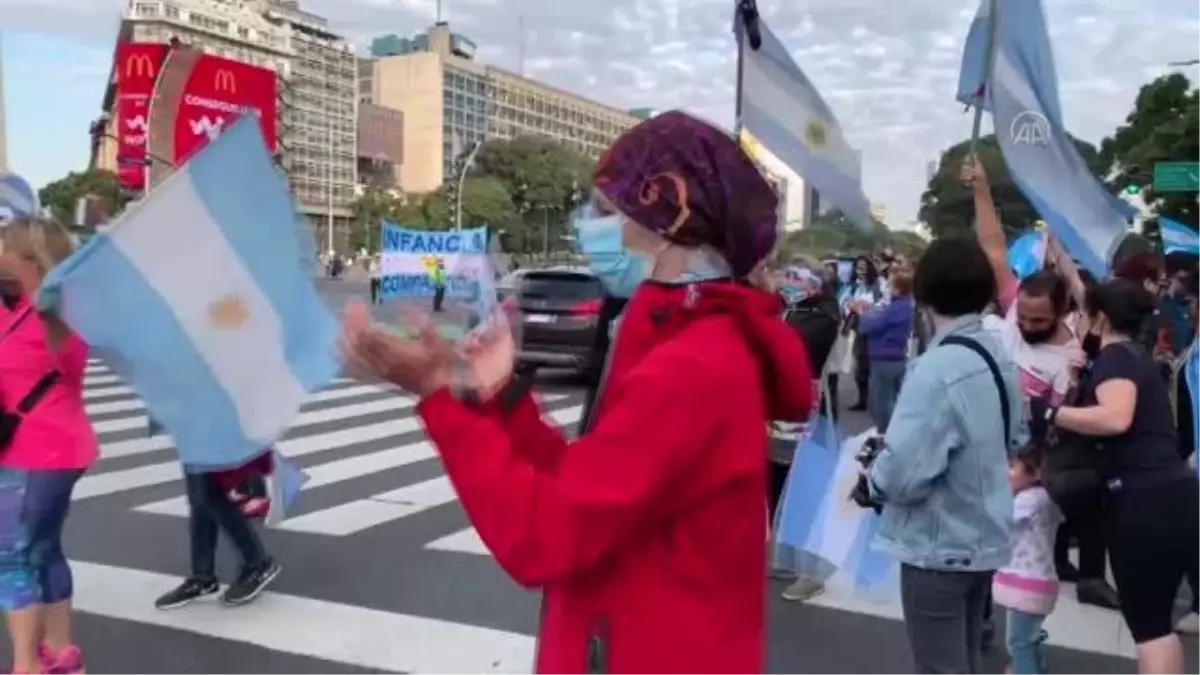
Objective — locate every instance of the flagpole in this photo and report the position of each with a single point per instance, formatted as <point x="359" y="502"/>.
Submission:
<point x="748" y="13"/>
<point x="985" y="75"/>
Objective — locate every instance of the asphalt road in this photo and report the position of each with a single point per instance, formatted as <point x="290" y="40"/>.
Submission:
<point x="382" y="572"/>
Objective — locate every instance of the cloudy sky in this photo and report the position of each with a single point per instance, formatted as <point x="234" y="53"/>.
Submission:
<point x="888" y="68"/>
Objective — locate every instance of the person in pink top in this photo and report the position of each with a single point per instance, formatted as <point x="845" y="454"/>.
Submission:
<point x="41" y="379"/>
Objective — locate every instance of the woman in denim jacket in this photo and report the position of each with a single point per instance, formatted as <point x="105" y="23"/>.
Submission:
<point x="942" y="476"/>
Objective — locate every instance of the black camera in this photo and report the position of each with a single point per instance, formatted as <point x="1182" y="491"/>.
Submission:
<point x="861" y="494"/>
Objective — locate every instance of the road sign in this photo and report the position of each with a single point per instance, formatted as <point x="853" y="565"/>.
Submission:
<point x="1132" y="190"/>
<point x="1176" y="176"/>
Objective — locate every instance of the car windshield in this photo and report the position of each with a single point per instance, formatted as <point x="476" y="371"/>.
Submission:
<point x="560" y="286"/>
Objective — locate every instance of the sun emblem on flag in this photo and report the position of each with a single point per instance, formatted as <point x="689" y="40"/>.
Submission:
<point x="230" y="312"/>
<point x="816" y="134"/>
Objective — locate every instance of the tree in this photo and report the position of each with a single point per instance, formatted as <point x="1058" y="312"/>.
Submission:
<point x="62" y="195"/>
<point x="1163" y="126"/>
<point x="948" y="208"/>
<point x="538" y="172"/>
<point x="834" y="234"/>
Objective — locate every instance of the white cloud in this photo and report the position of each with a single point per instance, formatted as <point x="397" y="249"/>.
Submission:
<point x="888" y="69"/>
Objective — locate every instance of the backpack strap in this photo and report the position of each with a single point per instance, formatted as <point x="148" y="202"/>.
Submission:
<point x="37" y="392"/>
<point x="984" y="354"/>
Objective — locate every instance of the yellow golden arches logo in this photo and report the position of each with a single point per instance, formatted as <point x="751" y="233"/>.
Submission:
<point x="224" y="82"/>
<point x="229" y="312"/>
<point x="140" y="65"/>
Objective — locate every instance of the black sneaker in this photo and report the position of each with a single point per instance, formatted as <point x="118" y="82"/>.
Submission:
<point x="250" y="583"/>
<point x="190" y="590"/>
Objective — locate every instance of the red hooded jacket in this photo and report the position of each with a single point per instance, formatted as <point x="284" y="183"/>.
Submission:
<point x="648" y="534"/>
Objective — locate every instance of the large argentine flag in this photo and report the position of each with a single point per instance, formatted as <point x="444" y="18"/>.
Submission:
<point x="1177" y="237"/>
<point x="198" y="292"/>
<point x="1022" y="92"/>
<point x="782" y="109"/>
<point x="17" y="199"/>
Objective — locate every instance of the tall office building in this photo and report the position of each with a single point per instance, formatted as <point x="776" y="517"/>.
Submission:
<point x="450" y="101"/>
<point x="316" y="83"/>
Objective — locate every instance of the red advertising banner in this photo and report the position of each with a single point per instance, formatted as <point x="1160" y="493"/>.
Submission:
<point x="135" y="70"/>
<point x="218" y="92"/>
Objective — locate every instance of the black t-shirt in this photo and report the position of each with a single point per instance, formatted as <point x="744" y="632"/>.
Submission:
<point x="1147" y="451"/>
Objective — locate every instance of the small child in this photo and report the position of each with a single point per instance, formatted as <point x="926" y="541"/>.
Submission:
<point x="1028" y="586"/>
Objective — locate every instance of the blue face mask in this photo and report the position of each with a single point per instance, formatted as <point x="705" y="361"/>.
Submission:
<point x="600" y="243"/>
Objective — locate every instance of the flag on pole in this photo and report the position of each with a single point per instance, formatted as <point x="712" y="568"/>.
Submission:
<point x="1177" y="237"/>
<point x="1022" y="93"/>
<point x="199" y="292"/>
<point x="785" y="113"/>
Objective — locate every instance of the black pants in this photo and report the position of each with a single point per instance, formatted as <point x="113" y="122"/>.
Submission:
<point x="1090" y="533"/>
<point x="439" y="296"/>
<point x="1154" y="535"/>
<point x="776" y="480"/>
<point x="862" y="368"/>
<point x="374" y="290"/>
<point x="211" y="512"/>
<point x="832" y="381"/>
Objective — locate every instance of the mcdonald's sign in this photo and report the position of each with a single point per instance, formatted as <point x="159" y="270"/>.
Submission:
<point x="224" y="82"/>
<point x="139" y="65"/>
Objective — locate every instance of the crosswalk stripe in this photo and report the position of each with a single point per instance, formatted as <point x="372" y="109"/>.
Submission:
<point x="111" y="482"/>
<point x="91" y="392"/>
<point x="465" y="540"/>
<point x="100" y="380"/>
<point x="356" y="516"/>
<point x="324" y="396"/>
<point x="373" y="639"/>
<point x="362" y="514"/>
<point x="312" y="417"/>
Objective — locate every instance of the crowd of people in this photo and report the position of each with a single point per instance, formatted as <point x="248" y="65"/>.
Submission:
<point x="1014" y="420"/>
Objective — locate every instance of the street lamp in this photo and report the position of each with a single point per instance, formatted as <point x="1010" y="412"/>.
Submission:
<point x="1193" y="62"/>
<point x="458" y="185"/>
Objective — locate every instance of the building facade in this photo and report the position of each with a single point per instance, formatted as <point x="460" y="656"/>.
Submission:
<point x="317" y="84"/>
<point x="450" y="102"/>
<point x="380" y="145"/>
<point x="798" y="205"/>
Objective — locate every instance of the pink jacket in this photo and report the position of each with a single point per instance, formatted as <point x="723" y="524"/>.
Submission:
<point x="56" y="434"/>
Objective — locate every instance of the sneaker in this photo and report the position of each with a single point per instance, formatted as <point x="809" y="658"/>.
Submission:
<point x="250" y="583"/>
<point x="68" y="660"/>
<point x="805" y="588"/>
<point x="1189" y="624"/>
<point x="190" y="590"/>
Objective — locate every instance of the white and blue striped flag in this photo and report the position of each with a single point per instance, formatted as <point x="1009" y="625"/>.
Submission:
<point x="17" y="199"/>
<point x="817" y="517"/>
<point x="1177" y="237"/>
<point x="1021" y="90"/>
<point x="785" y="113"/>
<point x="198" y="292"/>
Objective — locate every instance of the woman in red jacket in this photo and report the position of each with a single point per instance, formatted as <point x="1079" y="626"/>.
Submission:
<point x="648" y="533"/>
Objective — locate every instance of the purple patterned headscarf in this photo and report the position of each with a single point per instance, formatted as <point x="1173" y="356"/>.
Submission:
<point x="693" y="184"/>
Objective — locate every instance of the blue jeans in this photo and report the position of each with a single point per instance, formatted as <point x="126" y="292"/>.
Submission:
<point x="1025" y="641"/>
<point x="884" y="388"/>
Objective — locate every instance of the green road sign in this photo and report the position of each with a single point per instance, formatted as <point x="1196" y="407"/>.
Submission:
<point x="1132" y="190"/>
<point x="1176" y="176"/>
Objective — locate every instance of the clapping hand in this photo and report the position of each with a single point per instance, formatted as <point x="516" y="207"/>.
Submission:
<point x="421" y="364"/>
<point x="489" y="353"/>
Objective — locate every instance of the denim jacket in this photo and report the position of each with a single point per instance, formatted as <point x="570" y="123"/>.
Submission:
<point x="942" y="475"/>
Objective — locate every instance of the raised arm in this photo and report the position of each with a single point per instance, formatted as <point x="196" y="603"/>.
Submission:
<point x="988" y="229"/>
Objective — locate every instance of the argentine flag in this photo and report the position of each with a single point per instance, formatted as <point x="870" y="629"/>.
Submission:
<point x="1021" y="90"/>
<point x="1177" y="237"/>
<point x="198" y="293"/>
<point x="785" y="113"/>
<point x="817" y="517"/>
<point x="17" y="199"/>
<point x="1027" y="254"/>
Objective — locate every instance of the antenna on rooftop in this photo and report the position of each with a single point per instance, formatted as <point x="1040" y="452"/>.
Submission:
<point x="521" y="45"/>
<point x="438" y="19"/>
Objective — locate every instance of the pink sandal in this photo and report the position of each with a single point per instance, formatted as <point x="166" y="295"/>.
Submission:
<point x="66" y="661"/>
